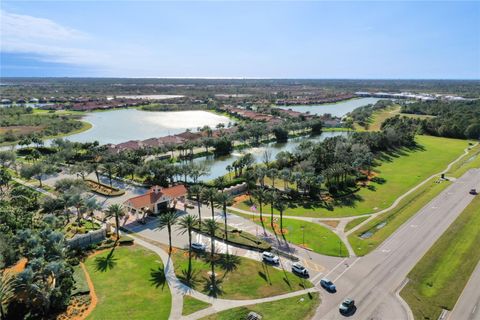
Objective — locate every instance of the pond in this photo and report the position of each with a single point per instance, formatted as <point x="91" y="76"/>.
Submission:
<point x="132" y="124"/>
<point x="338" y="109"/>
<point x="217" y="166"/>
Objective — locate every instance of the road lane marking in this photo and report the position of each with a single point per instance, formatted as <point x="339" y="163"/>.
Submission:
<point x="316" y="277"/>
<point x="339" y="264"/>
<point x="346" y="269"/>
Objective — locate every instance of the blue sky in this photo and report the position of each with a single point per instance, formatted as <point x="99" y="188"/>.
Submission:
<point x="241" y="39"/>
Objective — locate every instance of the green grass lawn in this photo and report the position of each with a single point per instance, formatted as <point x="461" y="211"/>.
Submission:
<point x="472" y="160"/>
<point x="408" y="207"/>
<point x="438" y="279"/>
<point x="394" y="218"/>
<point x="248" y="279"/>
<point x="129" y="285"/>
<point x="400" y="171"/>
<point x="299" y="308"/>
<point x="191" y="305"/>
<point x="318" y="238"/>
<point x="355" y="222"/>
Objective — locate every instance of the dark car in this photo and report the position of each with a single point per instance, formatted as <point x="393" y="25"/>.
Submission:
<point x="473" y="191"/>
<point x="347" y="307"/>
<point x="328" y="285"/>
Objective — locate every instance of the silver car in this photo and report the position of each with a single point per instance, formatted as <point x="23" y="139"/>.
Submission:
<point x="270" y="257"/>
<point x="198" y="246"/>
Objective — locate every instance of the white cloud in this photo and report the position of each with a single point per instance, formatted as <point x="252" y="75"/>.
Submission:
<point x="47" y="40"/>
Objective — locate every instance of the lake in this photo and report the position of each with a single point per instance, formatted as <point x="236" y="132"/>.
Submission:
<point x="131" y="124"/>
<point x="338" y="109"/>
<point x="217" y="165"/>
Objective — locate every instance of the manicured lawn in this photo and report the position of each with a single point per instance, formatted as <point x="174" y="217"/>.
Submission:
<point x="129" y="284"/>
<point x="318" y="238"/>
<point x="299" y="308"/>
<point x="355" y="222"/>
<point x="472" y="160"/>
<point x="438" y="279"/>
<point x="248" y="279"/>
<point x="408" y="207"/>
<point x="191" y="305"/>
<point x="394" y="218"/>
<point x="399" y="172"/>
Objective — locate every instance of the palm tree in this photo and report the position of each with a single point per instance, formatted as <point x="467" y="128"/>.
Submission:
<point x="197" y="190"/>
<point x="212" y="227"/>
<point x="280" y="205"/>
<point x="272" y="173"/>
<point x="272" y="198"/>
<point x="167" y="220"/>
<point x="8" y="284"/>
<point x="117" y="211"/>
<point x="110" y="168"/>
<point x="209" y="194"/>
<point x="223" y="199"/>
<point x="285" y="176"/>
<point x="261" y="195"/>
<point x="229" y="169"/>
<point x="220" y="182"/>
<point x="186" y="224"/>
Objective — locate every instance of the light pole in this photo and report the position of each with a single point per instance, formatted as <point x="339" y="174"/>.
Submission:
<point x="303" y="236"/>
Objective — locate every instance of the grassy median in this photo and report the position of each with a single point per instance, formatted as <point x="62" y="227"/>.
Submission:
<point x="298" y="308"/>
<point x="439" y="278"/>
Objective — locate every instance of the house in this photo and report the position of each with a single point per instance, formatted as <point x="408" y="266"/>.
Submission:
<point x="156" y="199"/>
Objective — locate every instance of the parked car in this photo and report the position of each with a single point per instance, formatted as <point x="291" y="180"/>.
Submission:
<point x="347" y="307"/>
<point x="328" y="285"/>
<point x="299" y="269"/>
<point x="198" y="246"/>
<point x="270" y="257"/>
<point x="473" y="191"/>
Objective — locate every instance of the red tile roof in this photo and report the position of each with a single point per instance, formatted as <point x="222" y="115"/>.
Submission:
<point x="151" y="197"/>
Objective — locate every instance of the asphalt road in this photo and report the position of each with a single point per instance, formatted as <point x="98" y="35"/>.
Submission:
<point x="468" y="305"/>
<point x="372" y="281"/>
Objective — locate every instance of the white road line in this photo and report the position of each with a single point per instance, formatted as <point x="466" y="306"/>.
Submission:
<point x="339" y="264"/>
<point x="316" y="277"/>
<point x="341" y="274"/>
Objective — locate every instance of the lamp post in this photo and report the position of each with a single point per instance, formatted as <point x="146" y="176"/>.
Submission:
<point x="303" y="236"/>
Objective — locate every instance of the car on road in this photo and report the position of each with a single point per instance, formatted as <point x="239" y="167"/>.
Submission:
<point x="473" y="191"/>
<point x="347" y="307"/>
<point x="299" y="269"/>
<point x="197" y="246"/>
<point x="328" y="285"/>
<point x="270" y="257"/>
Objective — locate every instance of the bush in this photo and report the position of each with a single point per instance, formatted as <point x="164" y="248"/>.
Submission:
<point x="104" y="189"/>
<point x="125" y="240"/>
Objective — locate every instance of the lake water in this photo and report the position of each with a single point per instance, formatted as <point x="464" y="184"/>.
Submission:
<point x="218" y="165"/>
<point x="336" y="109"/>
<point x="132" y="124"/>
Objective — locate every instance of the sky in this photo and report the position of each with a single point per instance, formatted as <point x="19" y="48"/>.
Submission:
<point x="227" y="39"/>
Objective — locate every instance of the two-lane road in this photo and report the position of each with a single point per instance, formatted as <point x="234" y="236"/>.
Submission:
<point x="373" y="280"/>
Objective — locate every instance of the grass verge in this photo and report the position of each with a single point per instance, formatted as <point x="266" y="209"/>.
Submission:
<point x="384" y="225"/>
<point x="191" y="305"/>
<point x="130" y="284"/>
<point x="355" y="222"/>
<point x="440" y="276"/>
<point x="317" y="238"/>
<point x="299" y="308"/>
<point x="238" y="278"/>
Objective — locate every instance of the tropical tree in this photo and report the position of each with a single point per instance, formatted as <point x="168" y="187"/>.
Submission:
<point x="186" y="225"/>
<point x="198" y="190"/>
<point x="224" y="199"/>
<point x="261" y="196"/>
<point x="280" y="205"/>
<point x="211" y="227"/>
<point x="167" y="220"/>
<point x="272" y="173"/>
<point x="8" y="284"/>
<point x="209" y="194"/>
<point x="271" y="198"/>
<point x="117" y="211"/>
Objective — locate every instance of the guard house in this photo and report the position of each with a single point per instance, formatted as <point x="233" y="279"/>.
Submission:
<point x="156" y="200"/>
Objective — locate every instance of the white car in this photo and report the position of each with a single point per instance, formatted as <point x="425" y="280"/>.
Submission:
<point x="199" y="246"/>
<point x="270" y="257"/>
<point x="299" y="269"/>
